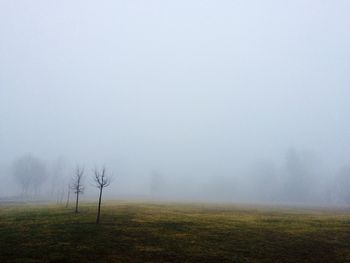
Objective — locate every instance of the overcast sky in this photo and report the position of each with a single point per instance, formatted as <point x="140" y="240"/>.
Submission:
<point x="189" y="88"/>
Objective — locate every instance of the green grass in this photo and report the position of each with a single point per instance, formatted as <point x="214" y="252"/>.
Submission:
<point x="150" y="232"/>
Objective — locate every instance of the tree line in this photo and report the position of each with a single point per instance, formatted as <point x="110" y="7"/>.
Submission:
<point x="299" y="178"/>
<point x="31" y="174"/>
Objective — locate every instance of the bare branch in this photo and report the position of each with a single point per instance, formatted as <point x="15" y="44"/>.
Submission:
<point x="100" y="178"/>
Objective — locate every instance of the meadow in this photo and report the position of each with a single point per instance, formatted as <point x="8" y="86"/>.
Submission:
<point x="173" y="232"/>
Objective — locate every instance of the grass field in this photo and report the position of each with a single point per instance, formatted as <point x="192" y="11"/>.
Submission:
<point x="150" y="232"/>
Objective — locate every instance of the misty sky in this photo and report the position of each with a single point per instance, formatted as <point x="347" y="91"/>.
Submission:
<point x="189" y="88"/>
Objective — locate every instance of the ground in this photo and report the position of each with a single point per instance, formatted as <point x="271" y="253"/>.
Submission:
<point x="169" y="232"/>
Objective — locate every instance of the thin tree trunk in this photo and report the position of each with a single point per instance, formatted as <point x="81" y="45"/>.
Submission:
<point x="62" y="196"/>
<point x="67" y="203"/>
<point x="76" y="203"/>
<point x="99" y="207"/>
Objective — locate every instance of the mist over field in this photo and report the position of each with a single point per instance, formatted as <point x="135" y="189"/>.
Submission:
<point x="237" y="101"/>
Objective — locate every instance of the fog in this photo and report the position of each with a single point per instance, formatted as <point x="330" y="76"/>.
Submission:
<point x="238" y="101"/>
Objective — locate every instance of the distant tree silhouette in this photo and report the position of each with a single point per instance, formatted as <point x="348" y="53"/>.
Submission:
<point x="301" y="175"/>
<point x="341" y="186"/>
<point x="30" y="173"/>
<point x="77" y="185"/>
<point x="58" y="178"/>
<point x="68" y="195"/>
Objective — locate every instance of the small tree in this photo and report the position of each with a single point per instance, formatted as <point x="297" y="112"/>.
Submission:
<point x="77" y="185"/>
<point x="101" y="181"/>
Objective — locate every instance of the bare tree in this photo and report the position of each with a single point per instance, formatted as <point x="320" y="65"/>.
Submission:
<point x="77" y="185"/>
<point x="101" y="181"/>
